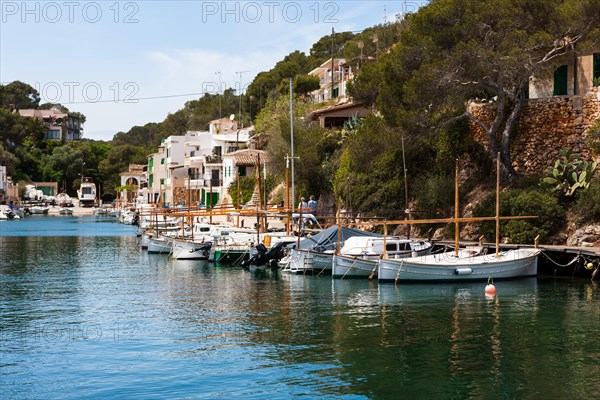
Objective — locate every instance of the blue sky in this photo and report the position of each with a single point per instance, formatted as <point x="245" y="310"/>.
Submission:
<point x="97" y="57"/>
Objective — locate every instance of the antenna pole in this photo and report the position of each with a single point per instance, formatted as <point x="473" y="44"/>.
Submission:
<point x="219" y="94"/>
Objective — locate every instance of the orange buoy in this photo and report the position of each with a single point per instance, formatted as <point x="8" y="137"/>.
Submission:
<point x="490" y="288"/>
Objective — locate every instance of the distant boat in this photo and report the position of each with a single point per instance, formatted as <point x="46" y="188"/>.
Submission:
<point x="39" y="210"/>
<point x="7" y="213"/>
<point x="87" y="192"/>
<point x="64" y="200"/>
<point x="65" y="211"/>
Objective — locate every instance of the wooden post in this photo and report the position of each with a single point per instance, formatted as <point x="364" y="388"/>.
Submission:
<point x="384" y="239"/>
<point x="456" y="214"/>
<point x="497" y="204"/>
<point x="239" y="196"/>
<point x="339" y="238"/>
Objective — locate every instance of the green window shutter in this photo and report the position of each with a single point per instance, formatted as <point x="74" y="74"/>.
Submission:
<point x="242" y="171"/>
<point x="560" y="80"/>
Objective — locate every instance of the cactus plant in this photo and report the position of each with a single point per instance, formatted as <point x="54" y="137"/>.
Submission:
<point x="569" y="174"/>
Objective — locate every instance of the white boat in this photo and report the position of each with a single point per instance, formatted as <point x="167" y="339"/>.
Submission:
<point x="465" y="266"/>
<point x="87" y="192"/>
<point x="304" y="261"/>
<point x="360" y="254"/>
<point x="159" y="244"/>
<point x="102" y="210"/>
<point x="315" y="253"/>
<point x="190" y="250"/>
<point x="64" y="200"/>
<point x="65" y="211"/>
<point x="39" y="210"/>
<point x="7" y="213"/>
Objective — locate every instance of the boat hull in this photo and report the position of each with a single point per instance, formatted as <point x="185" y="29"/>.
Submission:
<point x="353" y="267"/>
<point x="159" y="246"/>
<point x="230" y="254"/>
<point x="447" y="267"/>
<point x="187" y="250"/>
<point x="301" y="261"/>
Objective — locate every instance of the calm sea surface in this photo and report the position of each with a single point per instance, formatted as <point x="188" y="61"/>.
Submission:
<point x="85" y="314"/>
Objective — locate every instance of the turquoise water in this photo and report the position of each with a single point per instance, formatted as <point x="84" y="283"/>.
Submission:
<point x="86" y="314"/>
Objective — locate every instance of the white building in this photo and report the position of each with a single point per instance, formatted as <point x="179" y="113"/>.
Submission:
<point x="332" y="85"/>
<point x="3" y="182"/>
<point x="208" y="178"/>
<point x="189" y="168"/>
<point x="135" y="180"/>
<point x="156" y="176"/>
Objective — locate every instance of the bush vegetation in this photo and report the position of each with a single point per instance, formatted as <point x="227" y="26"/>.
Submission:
<point x="517" y="202"/>
<point x="587" y="205"/>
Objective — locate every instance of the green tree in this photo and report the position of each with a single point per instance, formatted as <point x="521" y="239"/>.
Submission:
<point x="117" y="160"/>
<point x="503" y="45"/>
<point x="19" y="95"/>
<point x="330" y="46"/>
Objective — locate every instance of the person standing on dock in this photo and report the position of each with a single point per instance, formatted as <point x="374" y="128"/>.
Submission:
<point x="312" y="205"/>
<point x="303" y="205"/>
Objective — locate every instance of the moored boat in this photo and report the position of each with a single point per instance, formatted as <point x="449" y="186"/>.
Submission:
<point x="360" y="254"/>
<point x="465" y="266"/>
<point x="39" y="210"/>
<point x="190" y="250"/>
<point x="159" y="244"/>
<point x="65" y="211"/>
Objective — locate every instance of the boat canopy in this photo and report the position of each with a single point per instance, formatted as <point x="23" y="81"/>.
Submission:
<point x="327" y="240"/>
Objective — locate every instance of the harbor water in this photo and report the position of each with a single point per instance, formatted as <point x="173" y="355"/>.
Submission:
<point x="86" y="314"/>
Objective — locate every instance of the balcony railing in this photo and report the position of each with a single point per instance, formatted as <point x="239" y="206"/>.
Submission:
<point x="214" y="159"/>
<point x="205" y="183"/>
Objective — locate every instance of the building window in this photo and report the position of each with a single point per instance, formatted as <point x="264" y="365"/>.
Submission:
<point x="162" y="181"/>
<point x="242" y="170"/>
<point x="560" y="80"/>
<point x="52" y="134"/>
<point x="596" y="79"/>
<point x="162" y="161"/>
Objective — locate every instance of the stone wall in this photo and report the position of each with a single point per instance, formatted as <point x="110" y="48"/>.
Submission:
<point x="546" y="126"/>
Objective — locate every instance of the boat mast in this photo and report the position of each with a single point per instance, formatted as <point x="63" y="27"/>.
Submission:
<point x="456" y="225"/>
<point x="407" y="210"/>
<point x="292" y="140"/>
<point x="497" y="203"/>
